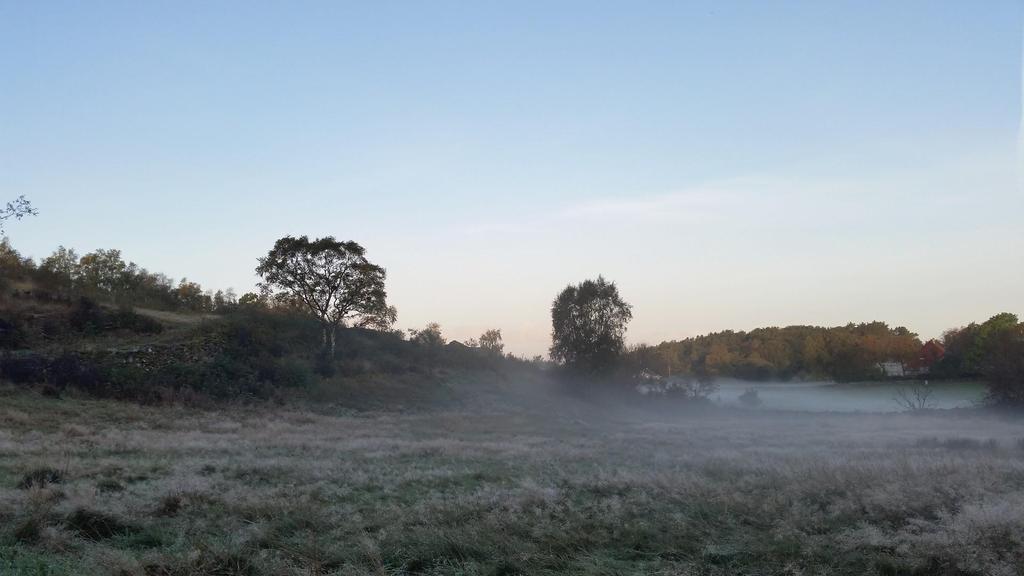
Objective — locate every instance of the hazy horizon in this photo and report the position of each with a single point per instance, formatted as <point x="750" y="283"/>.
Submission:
<point x="849" y="163"/>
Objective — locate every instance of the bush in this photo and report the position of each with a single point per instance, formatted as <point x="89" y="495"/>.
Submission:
<point x="12" y="334"/>
<point x="291" y="373"/>
<point x="23" y="369"/>
<point x="127" y="319"/>
<point x="87" y="317"/>
<point x="126" y="383"/>
<point x="750" y="398"/>
<point x="69" y="370"/>
<point x="90" y="318"/>
<point x="169" y="506"/>
<point x="96" y="525"/>
<point x="28" y="530"/>
<point x="40" y="478"/>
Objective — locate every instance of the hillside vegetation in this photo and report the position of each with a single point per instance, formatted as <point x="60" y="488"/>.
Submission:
<point x="96" y="341"/>
<point x="321" y="321"/>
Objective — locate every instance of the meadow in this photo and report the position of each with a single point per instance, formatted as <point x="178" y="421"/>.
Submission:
<point x="531" y="486"/>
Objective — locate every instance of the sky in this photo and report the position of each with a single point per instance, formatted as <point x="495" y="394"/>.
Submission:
<point x="728" y="164"/>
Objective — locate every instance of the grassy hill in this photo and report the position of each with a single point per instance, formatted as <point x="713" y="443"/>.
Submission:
<point x="80" y="346"/>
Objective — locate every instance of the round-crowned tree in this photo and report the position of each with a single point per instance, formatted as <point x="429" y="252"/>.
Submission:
<point x="589" y="326"/>
<point x="333" y="280"/>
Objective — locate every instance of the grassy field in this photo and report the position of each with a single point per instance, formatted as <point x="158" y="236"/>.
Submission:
<point x="545" y="487"/>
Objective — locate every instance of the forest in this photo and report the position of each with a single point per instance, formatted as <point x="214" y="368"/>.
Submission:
<point x="843" y="353"/>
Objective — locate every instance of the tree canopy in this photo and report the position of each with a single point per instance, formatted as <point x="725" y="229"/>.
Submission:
<point x="993" y="350"/>
<point x="589" y="325"/>
<point x="104" y="275"/>
<point x="333" y="280"/>
<point x="490" y="342"/>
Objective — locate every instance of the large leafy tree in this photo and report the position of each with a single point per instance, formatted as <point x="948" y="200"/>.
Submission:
<point x="103" y="272"/>
<point x="17" y="209"/>
<point x="333" y="280"/>
<point x="589" y="325"/>
<point x="60" y="271"/>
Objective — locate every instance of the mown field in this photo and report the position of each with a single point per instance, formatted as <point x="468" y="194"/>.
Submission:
<point x="99" y="487"/>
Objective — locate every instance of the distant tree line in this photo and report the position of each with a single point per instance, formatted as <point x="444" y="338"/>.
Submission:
<point x="842" y="353"/>
<point x="588" y="333"/>
<point x="104" y="275"/>
<point x="588" y="337"/>
<point x="992" y="350"/>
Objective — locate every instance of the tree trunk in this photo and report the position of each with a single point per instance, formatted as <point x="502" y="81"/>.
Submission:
<point x="328" y="339"/>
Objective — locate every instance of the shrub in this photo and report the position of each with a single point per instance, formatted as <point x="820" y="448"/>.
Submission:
<point x="87" y="317"/>
<point x="90" y="318"/>
<point x="750" y="399"/>
<point x="290" y="373"/>
<point x="96" y="525"/>
<point x="23" y="369"/>
<point x="125" y="318"/>
<point x="40" y="477"/>
<point x="169" y="506"/>
<point x="68" y="370"/>
<point x="28" y="530"/>
<point x="12" y="334"/>
<point x="126" y="382"/>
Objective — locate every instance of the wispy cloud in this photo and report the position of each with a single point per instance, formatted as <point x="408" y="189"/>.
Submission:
<point x="771" y="201"/>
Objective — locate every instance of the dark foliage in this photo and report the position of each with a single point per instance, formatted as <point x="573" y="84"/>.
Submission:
<point x="40" y="477"/>
<point x="12" y="333"/>
<point x="89" y="317"/>
<point x="23" y="368"/>
<point x="69" y="370"/>
<point x="331" y="280"/>
<point x="1003" y="366"/>
<point x="96" y="525"/>
<point x="33" y="323"/>
<point x="28" y="530"/>
<point x="169" y="506"/>
<point x="589" y="326"/>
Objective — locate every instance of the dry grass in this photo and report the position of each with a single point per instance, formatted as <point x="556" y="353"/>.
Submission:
<point x="554" y="489"/>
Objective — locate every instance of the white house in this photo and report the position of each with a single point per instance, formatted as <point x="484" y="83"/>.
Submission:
<point x="892" y="369"/>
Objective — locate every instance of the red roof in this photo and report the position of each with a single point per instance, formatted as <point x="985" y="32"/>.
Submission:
<point x="931" y="352"/>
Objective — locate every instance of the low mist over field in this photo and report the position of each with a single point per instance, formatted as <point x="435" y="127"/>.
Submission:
<point x="511" y="289"/>
<point x="572" y="489"/>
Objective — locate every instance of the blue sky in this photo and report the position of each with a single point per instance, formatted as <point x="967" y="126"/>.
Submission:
<point x="729" y="165"/>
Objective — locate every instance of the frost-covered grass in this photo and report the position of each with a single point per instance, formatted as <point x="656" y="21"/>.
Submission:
<point x="549" y="488"/>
